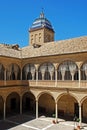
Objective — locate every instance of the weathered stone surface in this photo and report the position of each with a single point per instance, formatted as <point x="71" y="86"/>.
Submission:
<point x="74" y="45"/>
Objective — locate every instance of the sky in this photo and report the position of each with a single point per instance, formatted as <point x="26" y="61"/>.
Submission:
<point x="68" y="18"/>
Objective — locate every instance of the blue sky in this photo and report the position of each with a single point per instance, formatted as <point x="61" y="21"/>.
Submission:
<point x="68" y="18"/>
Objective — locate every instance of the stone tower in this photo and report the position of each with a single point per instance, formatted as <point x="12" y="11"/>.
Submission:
<point x="41" y="31"/>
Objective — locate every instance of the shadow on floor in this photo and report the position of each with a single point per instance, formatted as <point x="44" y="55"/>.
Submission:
<point x="14" y="121"/>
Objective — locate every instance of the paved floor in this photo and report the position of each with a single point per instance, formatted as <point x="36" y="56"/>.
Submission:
<point x="25" y="122"/>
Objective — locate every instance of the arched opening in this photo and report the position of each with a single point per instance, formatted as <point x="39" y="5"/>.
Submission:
<point x="29" y="76"/>
<point x="67" y="107"/>
<point x="84" y="110"/>
<point x="12" y="104"/>
<point x="84" y="71"/>
<point x="1" y="107"/>
<point x="13" y="72"/>
<point x="47" y="76"/>
<point x="28" y="103"/>
<point x="13" y="76"/>
<point x="67" y="70"/>
<point x="39" y="75"/>
<point x="46" y="105"/>
<point x="46" y="72"/>
<point x="29" y="72"/>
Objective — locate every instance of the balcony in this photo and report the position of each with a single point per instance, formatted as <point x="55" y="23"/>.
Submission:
<point x="59" y="84"/>
<point x="44" y="83"/>
<point x="15" y="83"/>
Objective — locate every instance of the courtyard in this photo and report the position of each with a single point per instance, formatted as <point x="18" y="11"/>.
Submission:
<point x="28" y="122"/>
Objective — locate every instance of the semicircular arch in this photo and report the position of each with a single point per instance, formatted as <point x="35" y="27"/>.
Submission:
<point x="10" y="93"/>
<point x="28" y="93"/>
<point x="83" y="99"/>
<point x="45" y="92"/>
<point x="63" y="94"/>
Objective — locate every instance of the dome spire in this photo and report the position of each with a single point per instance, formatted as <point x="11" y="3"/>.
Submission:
<point x="42" y="13"/>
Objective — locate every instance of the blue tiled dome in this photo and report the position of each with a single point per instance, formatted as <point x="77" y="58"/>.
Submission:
<point x="41" y="22"/>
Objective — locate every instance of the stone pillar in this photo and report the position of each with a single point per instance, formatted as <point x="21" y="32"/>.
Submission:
<point x="63" y="74"/>
<point x="63" y="71"/>
<point x="79" y="77"/>
<point x="56" y="112"/>
<point x="21" y="75"/>
<point x="72" y="74"/>
<point x="4" y="114"/>
<point x="36" y="108"/>
<point x="43" y="75"/>
<point x="36" y="77"/>
<point x="36" y="67"/>
<point x="51" y="74"/>
<point x="20" y="105"/>
<point x="32" y="75"/>
<point x="80" y="115"/>
<point x="56" y="66"/>
<point x="55" y="77"/>
<point x="5" y="74"/>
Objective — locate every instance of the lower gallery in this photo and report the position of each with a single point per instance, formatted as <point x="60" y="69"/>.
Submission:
<point x="45" y="78"/>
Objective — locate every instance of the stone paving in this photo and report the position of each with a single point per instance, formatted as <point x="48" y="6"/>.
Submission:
<point x="45" y="124"/>
<point x="25" y="122"/>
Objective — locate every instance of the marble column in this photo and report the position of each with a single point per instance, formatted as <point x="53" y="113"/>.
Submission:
<point x="43" y="75"/>
<point x="55" y="77"/>
<point x="36" y="77"/>
<point x="80" y="115"/>
<point x="21" y="75"/>
<point x="56" y="112"/>
<point x="4" y="114"/>
<point x="20" y="105"/>
<point x="79" y="77"/>
<point x="5" y="74"/>
<point x="36" y="108"/>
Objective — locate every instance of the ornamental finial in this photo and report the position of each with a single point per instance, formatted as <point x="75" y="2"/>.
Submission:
<point x="42" y="13"/>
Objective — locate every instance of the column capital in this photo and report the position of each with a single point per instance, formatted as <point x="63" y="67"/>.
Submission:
<point x="4" y="98"/>
<point x="56" y="65"/>
<point x="37" y="66"/>
<point x="79" y="64"/>
<point x="36" y="100"/>
<point x="79" y="104"/>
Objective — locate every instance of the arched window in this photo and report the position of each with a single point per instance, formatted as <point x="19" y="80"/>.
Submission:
<point x="84" y="71"/>
<point x="13" y="72"/>
<point x="68" y="70"/>
<point x="29" y="72"/>
<point x="46" y="72"/>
